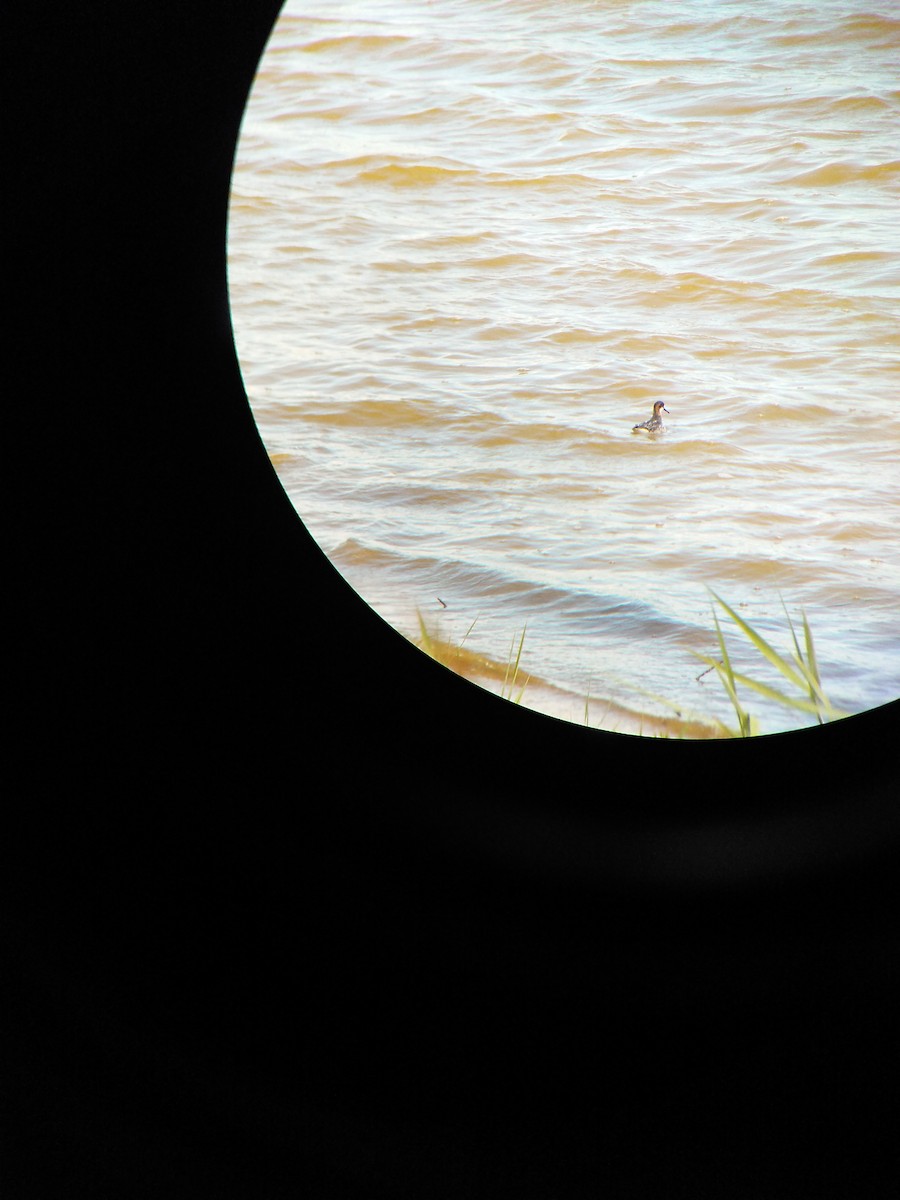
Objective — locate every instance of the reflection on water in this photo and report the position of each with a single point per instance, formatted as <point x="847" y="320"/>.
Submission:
<point x="471" y="243"/>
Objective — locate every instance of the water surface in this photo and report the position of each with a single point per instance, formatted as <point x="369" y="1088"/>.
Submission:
<point x="472" y="242"/>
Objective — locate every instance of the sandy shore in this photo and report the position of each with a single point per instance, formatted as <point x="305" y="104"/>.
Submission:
<point x="537" y="694"/>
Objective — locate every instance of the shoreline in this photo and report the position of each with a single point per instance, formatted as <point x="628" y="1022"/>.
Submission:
<point x="518" y="687"/>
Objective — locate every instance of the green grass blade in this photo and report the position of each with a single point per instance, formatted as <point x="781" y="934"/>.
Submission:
<point x="726" y="673"/>
<point x="801" y="669"/>
<point x="810" y="667"/>
<point x="468" y="631"/>
<point x="815" y="689"/>
<point x="810" y="649"/>
<point x="767" y="651"/>
<point x="424" y="635"/>
<point x="724" y="670"/>
<point x="805" y="665"/>
<point x="798" y="653"/>
<point x="796" y="702"/>
<point x="512" y="669"/>
<point x="813" y="668"/>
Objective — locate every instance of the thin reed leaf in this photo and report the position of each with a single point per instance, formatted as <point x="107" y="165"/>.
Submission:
<point x="763" y="689"/>
<point x="468" y="631"/>
<point x="813" y="667"/>
<point x="763" y="646"/>
<point x="726" y="674"/>
<point x="802" y="672"/>
<point x="512" y="665"/>
<point x="425" y="636"/>
<point x="807" y="665"/>
<point x="810" y="648"/>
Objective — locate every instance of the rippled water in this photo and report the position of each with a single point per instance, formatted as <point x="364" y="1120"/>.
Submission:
<point x="471" y="243"/>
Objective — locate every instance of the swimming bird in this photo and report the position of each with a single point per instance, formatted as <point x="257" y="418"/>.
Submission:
<point x="655" y="423"/>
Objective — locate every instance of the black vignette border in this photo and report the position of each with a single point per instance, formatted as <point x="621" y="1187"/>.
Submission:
<point x="208" y="838"/>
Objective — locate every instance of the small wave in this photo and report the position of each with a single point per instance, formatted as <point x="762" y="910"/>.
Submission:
<point x="412" y="116"/>
<point x="396" y="171"/>
<point x="593" y="611"/>
<point x="360" y="43"/>
<point x="834" y="173"/>
<point x="771" y="574"/>
<point x="414" y="174"/>
<point x="494" y="429"/>
<point x="352" y="552"/>
<point x="703" y="446"/>
<point x="546" y="181"/>
<point x="387" y="413"/>
<point x="655" y="286"/>
<point x="806" y="413"/>
<point x="852" y="256"/>
<point x="860" y="103"/>
<point x="575" y="336"/>
<point x="512" y="261"/>
<point x="872" y="28"/>
<point x="424" y="495"/>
